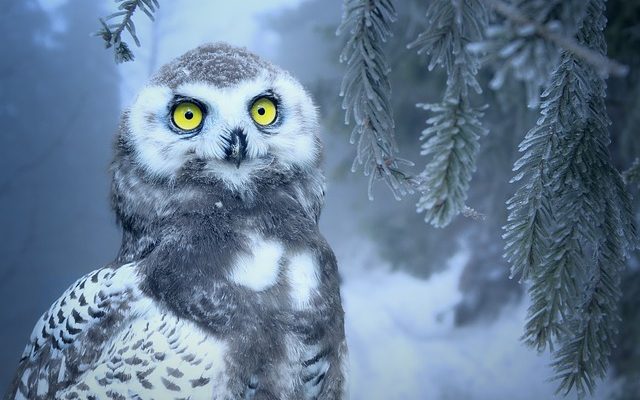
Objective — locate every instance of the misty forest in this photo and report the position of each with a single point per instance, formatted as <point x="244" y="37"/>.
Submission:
<point x="482" y="161"/>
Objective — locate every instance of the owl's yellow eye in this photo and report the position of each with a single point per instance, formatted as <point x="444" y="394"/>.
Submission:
<point x="264" y="111"/>
<point x="187" y="116"/>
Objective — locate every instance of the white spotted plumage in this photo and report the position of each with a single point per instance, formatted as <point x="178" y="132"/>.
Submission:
<point x="155" y="356"/>
<point x="82" y="306"/>
<point x="152" y="354"/>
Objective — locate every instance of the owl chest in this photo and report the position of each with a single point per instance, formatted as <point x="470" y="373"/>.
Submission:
<point x="275" y="275"/>
<point x="162" y="356"/>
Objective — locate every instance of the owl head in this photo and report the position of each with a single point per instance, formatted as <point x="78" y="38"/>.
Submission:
<point x="216" y="121"/>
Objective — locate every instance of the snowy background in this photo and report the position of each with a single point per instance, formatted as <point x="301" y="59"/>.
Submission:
<point x="415" y="329"/>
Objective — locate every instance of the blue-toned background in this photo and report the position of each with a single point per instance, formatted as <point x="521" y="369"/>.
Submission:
<point x="430" y="314"/>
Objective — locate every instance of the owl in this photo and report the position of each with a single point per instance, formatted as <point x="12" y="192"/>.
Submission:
<point x="223" y="287"/>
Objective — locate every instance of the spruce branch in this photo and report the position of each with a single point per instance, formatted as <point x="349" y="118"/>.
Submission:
<point x="590" y="337"/>
<point x="366" y="91"/>
<point x="451" y="140"/>
<point x="114" y="25"/>
<point x="604" y="65"/>
<point x="571" y="225"/>
<point x="516" y="50"/>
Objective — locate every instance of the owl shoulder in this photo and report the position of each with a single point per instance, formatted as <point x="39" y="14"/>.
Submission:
<point x="69" y="336"/>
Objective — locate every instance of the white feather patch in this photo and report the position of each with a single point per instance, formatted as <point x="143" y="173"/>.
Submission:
<point x="43" y="387"/>
<point x="19" y="396"/>
<point x="25" y="376"/>
<point x="295" y="143"/>
<point x="158" y="149"/>
<point x="302" y="275"/>
<point x="259" y="269"/>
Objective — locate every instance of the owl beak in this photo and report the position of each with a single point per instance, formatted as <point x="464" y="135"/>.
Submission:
<point x="236" y="146"/>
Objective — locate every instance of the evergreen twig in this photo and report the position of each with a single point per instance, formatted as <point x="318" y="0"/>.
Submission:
<point x="111" y="32"/>
<point x="600" y="62"/>
<point x="451" y="141"/>
<point x="367" y="91"/>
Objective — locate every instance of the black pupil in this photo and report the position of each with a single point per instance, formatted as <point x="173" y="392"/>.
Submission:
<point x="261" y="111"/>
<point x="188" y="114"/>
